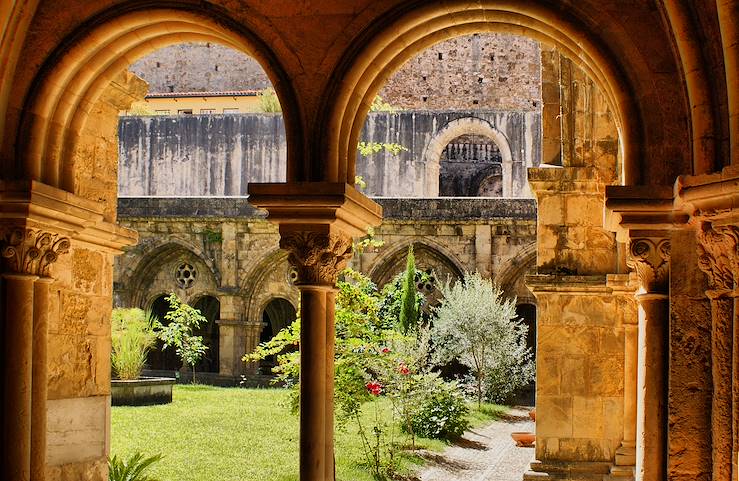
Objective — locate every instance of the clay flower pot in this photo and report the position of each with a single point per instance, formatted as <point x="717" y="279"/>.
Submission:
<point x="532" y="414"/>
<point x="524" y="439"/>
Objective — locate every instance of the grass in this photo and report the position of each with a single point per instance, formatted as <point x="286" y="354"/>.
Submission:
<point x="232" y="434"/>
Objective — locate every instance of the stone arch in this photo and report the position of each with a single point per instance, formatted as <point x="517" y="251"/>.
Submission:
<point x="63" y="96"/>
<point x="268" y="279"/>
<point x="510" y="277"/>
<point x="618" y="70"/>
<point x="392" y="261"/>
<point x="154" y="260"/>
<point x="454" y="129"/>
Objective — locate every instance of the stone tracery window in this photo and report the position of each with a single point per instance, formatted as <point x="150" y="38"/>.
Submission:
<point x="185" y="275"/>
<point x="462" y="162"/>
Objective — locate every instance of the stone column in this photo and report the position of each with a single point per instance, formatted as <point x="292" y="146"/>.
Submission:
<point x="318" y="257"/>
<point x="650" y="257"/>
<point x="28" y="255"/>
<point x="623" y="291"/>
<point x="718" y="257"/>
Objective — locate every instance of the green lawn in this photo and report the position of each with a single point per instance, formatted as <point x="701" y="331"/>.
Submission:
<point x="232" y="434"/>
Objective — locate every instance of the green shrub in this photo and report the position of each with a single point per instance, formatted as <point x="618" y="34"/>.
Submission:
<point x="132" y="332"/>
<point x="131" y="470"/>
<point x="443" y="411"/>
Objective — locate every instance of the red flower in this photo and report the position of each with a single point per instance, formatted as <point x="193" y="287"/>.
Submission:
<point x="385" y="350"/>
<point x="374" y="388"/>
<point x="403" y="369"/>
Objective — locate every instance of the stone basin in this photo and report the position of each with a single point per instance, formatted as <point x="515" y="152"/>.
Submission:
<point x="141" y="392"/>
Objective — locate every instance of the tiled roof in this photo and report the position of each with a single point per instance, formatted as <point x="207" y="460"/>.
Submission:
<point x="225" y="93"/>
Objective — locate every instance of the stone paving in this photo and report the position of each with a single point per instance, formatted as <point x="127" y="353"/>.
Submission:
<point x="484" y="454"/>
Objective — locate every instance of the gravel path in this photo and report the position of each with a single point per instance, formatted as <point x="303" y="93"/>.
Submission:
<point x="484" y="454"/>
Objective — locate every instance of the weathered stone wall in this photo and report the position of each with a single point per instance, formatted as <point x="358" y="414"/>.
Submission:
<point x="242" y="266"/>
<point x="200" y="67"/>
<point x="218" y="155"/>
<point x="481" y="71"/>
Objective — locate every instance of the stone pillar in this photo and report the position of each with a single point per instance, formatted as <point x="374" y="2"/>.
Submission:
<point x="317" y="222"/>
<point x="231" y="341"/>
<point x="650" y="257"/>
<point x="28" y="255"/>
<point x="252" y="334"/>
<point x="623" y="290"/>
<point x="318" y="257"/>
<point x="718" y="257"/>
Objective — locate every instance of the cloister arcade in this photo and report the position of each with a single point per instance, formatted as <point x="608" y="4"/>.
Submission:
<point x="646" y="383"/>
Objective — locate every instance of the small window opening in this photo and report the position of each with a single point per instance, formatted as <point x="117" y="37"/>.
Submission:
<point x="424" y="98"/>
<point x="441" y="56"/>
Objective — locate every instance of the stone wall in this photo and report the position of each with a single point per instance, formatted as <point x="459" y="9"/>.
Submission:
<point x="200" y="67"/>
<point x="217" y="155"/>
<point x="235" y="252"/>
<point x="481" y="71"/>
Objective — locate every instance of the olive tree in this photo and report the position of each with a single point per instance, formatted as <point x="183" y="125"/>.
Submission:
<point x="478" y="327"/>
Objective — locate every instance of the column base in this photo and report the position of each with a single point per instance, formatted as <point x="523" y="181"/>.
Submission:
<point x="626" y="457"/>
<point x="568" y="470"/>
<point x="621" y="473"/>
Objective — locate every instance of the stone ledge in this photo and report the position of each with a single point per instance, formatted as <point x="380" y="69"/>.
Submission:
<point x="411" y="209"/>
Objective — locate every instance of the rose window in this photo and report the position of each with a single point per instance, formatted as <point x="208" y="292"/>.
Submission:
<point x="186" y="275"/>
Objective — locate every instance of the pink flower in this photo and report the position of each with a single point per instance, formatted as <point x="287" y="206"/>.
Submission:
<point x="385" y="350"/>
<point x="374" y="388"/>
<point x="403" y="369"/>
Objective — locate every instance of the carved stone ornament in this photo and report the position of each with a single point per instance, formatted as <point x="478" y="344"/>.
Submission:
<point x="718" y="255"/>
<point x="31" y="251"/>
<point x="651" y="260"/>
<point x="317" y="257"/>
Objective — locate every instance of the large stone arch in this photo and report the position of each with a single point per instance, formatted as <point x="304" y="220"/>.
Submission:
<point x="270" y="278"/>
<point x="426" y="251"/>
<point x="454" y="129"/>
<point x="616" y="67"/>
<point x="143" y="283"/>
<point x="62" y="100"/>
<point x="510" y="276"/>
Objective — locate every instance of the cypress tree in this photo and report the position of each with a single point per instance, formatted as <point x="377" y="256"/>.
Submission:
<point x="408" y="305"/>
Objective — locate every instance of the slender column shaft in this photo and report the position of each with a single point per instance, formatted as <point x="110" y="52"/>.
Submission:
<point x="651" y="439"/>
<point x="313" y="386"/>
<point x="721" y="367"/>
<point x="39" y="369"/>
<point x="631" y="354"/>
<point x="17" y="382"/>
<point x="330" y="471"/>
<point x="735" y="390"/>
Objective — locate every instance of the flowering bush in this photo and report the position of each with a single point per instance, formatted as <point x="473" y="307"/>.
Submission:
<point x="442" y="413"/>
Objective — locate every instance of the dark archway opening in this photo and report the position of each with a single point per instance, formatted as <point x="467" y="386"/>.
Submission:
<point x="210" y="308"/>
<point x="162" y="359"/>
<point x="527" y="314"/>
<point x="469" y="166"/>
<point x="277" y="315"/>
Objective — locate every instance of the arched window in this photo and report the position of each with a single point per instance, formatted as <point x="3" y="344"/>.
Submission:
<point x="160" y="359"/>
<point x="462" y="162"/>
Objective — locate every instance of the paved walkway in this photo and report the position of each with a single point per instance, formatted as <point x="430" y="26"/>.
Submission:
<point x="483" y="454"/>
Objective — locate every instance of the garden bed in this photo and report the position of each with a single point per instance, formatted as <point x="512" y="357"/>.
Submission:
<point x="141" y="392"/>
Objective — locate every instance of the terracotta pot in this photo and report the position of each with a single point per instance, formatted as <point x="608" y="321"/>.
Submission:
<point x="524" y="439"/>
<point x="532" y="414"/>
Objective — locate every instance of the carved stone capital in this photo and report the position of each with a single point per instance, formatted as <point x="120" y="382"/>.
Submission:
<point x="718" y="255"/>
<point x="31" y="251"/>
<point x="318" y="257"/>
<point x="650" y="258"/>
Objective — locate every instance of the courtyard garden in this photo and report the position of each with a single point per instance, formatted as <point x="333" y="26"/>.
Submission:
<point x="417" y="363"/>
<point x="230" y="434"/>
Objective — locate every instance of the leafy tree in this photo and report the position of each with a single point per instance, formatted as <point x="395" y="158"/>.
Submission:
<point x="478" y="327"/>
<point x="409" y="306"/>
<point x="178" y="333"/>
